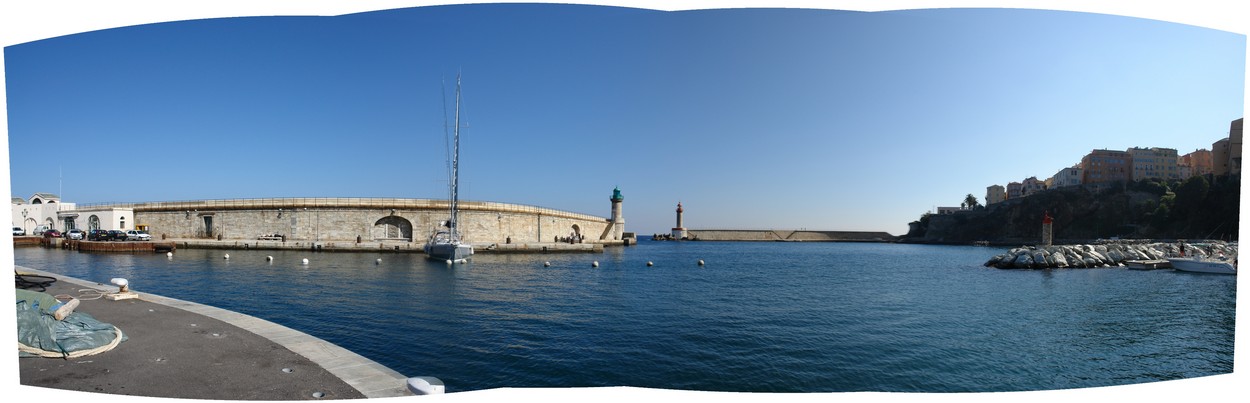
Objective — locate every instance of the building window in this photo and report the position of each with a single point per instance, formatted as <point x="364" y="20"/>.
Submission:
<point x="123" y="223"/>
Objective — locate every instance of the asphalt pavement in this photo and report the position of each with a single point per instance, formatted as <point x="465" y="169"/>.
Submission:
<point x="180" y="349"/>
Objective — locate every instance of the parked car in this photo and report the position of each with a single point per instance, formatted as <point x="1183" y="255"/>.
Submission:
<point x="135" y="235"/>
<point x="52" y="233"/>
<point x="97" y="235"/>
<point x="116" y="235"/>
<point x="39" y="230"/>
<point x="18" y="231"/>
<point x="75" y="234"/>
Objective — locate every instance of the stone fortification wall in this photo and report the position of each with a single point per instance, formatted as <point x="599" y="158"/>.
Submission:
<point x="788" y="235"/>
<point x="345" y="219"/>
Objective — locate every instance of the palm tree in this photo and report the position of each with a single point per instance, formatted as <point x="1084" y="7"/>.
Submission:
<point x="971" y="201"/>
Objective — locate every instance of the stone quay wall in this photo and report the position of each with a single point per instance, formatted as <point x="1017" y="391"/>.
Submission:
<point x="364" y="219"/>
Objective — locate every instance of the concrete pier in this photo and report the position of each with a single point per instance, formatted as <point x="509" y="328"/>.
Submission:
<point x="181" y="349"/>
<point x="788" y="235"/>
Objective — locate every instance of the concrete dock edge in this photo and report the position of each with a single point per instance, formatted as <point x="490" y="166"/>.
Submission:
<point x="368" y="377"/>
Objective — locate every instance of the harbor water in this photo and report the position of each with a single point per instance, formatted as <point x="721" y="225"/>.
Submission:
<point x="757" y="316"/>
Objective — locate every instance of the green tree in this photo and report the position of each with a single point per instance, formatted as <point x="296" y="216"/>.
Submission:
<point x="971" y="201"/>
<point x="1190" y="195"/>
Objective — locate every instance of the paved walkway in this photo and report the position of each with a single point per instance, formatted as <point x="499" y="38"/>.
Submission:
<point x="180" y="349"/>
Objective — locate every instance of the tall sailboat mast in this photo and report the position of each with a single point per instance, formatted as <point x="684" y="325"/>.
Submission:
<point x="455" y="167"/>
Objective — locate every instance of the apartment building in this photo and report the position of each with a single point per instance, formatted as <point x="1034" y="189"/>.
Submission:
<point x="1195" y="163"/>
<point x="1105" y="166"/>
<point x="995" y="194"/>
<point x="1154" y="162"/>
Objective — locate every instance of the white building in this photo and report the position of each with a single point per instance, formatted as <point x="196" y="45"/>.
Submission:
<point x="1067" y="177"/>
<point x="45" y="210"/>
<point x="41" y="211"/>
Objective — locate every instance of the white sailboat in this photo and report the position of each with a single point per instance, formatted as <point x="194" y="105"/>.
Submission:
<point x="445" y="243"/>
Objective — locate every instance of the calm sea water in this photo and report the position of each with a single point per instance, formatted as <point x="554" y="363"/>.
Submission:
<point x="765" y="317"/>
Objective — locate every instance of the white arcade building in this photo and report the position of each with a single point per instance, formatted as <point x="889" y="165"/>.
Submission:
<point x="46" y="211"/>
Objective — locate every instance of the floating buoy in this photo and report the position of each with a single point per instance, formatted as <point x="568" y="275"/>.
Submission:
<point x="305" y="261"/>
<point x="449" y="261"/>
<point x="379" y="261"/>
<point x="594" y="264"/>
<point x="546" y="264"/>
<point x="227" y="256"/>
<point x="700" y="262"/>
<point x="269" y="258"/>
<point x="169" y="254"/>
<point x="649" y="264"/>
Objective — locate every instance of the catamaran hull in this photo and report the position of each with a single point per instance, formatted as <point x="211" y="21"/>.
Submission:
<point x="1203" y="266"/>
<point x="451" y="252"/>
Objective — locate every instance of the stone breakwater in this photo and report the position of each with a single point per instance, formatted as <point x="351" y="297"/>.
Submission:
<point x="1105" y="255"/>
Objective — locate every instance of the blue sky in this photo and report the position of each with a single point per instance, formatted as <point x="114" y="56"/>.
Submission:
<point x="752" y="118"/>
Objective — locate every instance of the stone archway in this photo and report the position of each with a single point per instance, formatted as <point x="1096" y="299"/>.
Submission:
<point x="392" y="228"/>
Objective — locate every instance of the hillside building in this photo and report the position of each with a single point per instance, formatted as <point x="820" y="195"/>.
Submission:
<point x="995" y="194"/>
<point x="1154" y="162"/>
<point x="1070" y="176"/>
<point x="1195" y="163"/>
<point x="1234" y="147"/>
<point x="1015" y="190"/>
<point x="1031" y="185"/>
<point x="1220" y="157"/>
<point x="1106" y="166"/>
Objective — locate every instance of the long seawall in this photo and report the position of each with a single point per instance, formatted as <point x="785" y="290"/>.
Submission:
<point x="789" y="235"/>
<point x="360" y="220"/>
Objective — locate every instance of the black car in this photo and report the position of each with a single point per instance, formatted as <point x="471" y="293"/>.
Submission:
<point x="117" y="235"/>
<point x="97" y="235"/>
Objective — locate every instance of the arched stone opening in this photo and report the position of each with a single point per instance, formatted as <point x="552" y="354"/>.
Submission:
<point x="392" y="228"/>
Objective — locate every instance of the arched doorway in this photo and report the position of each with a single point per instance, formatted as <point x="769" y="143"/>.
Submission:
<point x="392" y="228"/>
<point x="93" y="222"/>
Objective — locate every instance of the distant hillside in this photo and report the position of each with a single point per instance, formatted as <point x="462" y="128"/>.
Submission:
<point x="1197" y="208"/>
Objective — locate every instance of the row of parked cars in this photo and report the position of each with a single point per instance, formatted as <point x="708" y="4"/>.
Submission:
<point x="93" y="235"/>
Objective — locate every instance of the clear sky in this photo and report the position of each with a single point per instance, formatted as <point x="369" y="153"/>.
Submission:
<point x="752" y="118"/>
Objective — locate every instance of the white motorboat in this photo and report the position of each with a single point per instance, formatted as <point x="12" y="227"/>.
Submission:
<point x="1219" y="265"/>
<point x="445" y="243"/>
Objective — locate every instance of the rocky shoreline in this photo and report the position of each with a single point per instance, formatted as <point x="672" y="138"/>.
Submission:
<point x="1104" y="255"/>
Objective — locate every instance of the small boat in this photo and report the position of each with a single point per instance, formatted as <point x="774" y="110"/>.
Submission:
<point x="1148" y="264"/>
<point x="1220" y="265"/>
<point x="445" y="243"/>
